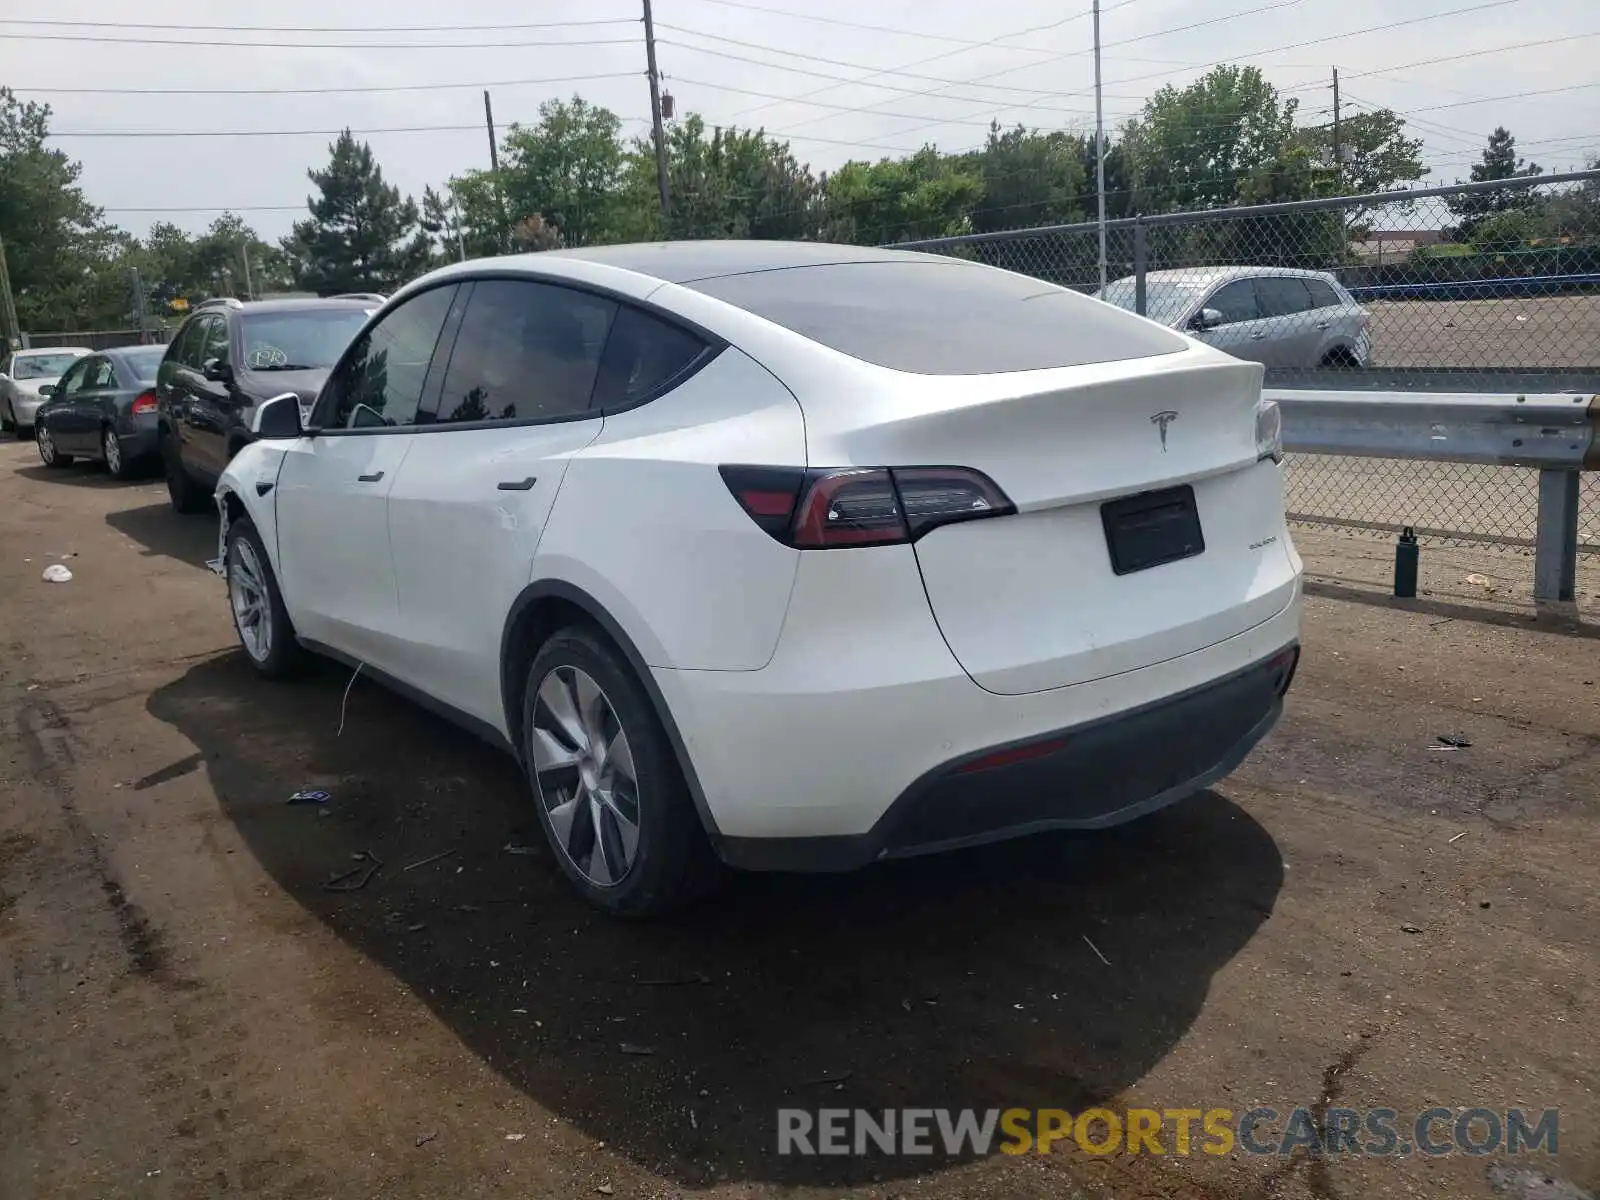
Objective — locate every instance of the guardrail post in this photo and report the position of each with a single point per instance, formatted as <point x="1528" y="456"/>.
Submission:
<point x="1555" y="563"/>
<point x="1140" y="262"/>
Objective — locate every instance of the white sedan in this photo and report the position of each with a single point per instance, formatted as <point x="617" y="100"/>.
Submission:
<point x="27" y="379"/>
<point x="787" y="555"/>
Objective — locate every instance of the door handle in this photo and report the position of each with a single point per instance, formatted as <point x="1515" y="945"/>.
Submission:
<point x="373" y="478"/>
<point x="517" y="485"/>
<point x="1256" y="337"/>
<point x="1322" y="324"/>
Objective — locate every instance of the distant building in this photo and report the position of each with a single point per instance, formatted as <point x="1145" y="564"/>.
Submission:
<point x="1393" y="245"/>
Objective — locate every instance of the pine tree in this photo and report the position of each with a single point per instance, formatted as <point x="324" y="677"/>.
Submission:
<point x="361" y="235"/>
<point x="1499" y="161"/>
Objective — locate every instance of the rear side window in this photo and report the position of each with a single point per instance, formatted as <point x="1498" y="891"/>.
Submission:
<point x="185" y="351"/>
<point x="1236" y="301"/>
<point x="644" y="355"/>
<point x="100" y="375"/>
<point x="379" y="382"/>
<point x="941" y="316"/>
<point x="1322" y="294"/>
<point x="1281" y="297"/>
<point x="526" y="352"/>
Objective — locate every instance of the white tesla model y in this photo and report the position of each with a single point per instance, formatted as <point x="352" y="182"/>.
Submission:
<point x="790" y="555"/>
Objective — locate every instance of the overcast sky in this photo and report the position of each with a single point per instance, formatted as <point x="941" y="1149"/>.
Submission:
<point x="947" y="66"/>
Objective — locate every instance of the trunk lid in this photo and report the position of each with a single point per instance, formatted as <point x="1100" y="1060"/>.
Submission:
<point x="1035" y="600"/>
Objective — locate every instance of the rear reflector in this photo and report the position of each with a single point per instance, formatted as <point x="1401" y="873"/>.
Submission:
<point x="145" y="402"/>
<point x="861" y="506"/>
<point x="1017" y="754"/>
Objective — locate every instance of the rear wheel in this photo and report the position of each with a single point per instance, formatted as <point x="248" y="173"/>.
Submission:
<point x="8" y="423"/>
<point x="48" y="454"/>
<point x="259" y="617"/>
<point x="185" y="494"/>
<point x="111" y="452"/>
<point x="610" y="795"/>
<point x="1340" y="358"/>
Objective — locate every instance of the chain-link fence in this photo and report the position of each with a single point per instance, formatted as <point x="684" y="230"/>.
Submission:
<point x="95" y="339"/>
<point x="1476" y="287"/>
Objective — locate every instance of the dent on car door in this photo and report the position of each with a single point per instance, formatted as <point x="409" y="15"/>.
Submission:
<point x="469" y="509"/>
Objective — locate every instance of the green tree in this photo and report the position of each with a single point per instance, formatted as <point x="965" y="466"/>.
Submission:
<point x="61" y="255"/>
<point x="361" y="235"/>
<point x="1499" y="161"/>
<point x="1222" y="140"/>
<point x="900" y="199"/>
<point x="731" y="184"/>
<point x="1377" y="154"/>
<point x="569" y="167"/>
<point x="1031" y="178"/>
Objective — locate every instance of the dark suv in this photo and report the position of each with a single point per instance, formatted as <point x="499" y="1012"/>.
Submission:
<point x="227" y="359"/>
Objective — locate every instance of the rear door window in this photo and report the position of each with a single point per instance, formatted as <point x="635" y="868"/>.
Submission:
<point x="644" y="356"/>
<point x="1236" y="301"/>
<point x="1322" y="294"/>
<point x="100" y="375"/>
<point x="525" y="352"/>
<point x="1280" y="296"/>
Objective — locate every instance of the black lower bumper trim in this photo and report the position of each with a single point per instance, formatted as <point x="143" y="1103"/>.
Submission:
<point x="1102" y="773"/>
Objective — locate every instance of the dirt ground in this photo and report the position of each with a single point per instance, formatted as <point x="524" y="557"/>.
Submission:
<point x="1357" y="917"/>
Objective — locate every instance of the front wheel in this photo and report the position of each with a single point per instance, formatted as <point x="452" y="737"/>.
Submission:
<point x="611" y="798"/>
<point x="48" y="454"/>
<point x="259" y="616"/>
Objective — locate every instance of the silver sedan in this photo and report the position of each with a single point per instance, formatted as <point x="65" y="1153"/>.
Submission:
<point x="26" y="379"/>
<point x="1271" y="315"/>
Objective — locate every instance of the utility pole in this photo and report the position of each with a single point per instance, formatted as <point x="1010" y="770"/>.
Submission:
<point x="13" y="330"/>
<point x="141" y="307"/>
<point x="249" y="284"/>
<point x="1099" y="144"/>
<point x="494" y="168"/>
<point x="655" y="111"/>
<point x="1338" y="144"/>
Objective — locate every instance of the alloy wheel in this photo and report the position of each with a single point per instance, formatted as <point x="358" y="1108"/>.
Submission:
<point x="46" y="444"/>
<point x="113" y="448"/>
<point x="586" y="776"/>
<point x="247" y="592"/>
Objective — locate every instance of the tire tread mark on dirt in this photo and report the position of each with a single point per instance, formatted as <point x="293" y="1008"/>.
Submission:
<point x="1318" y="1177"/>
<point x="141" y="941"/>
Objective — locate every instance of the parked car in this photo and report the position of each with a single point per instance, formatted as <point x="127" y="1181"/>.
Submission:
<point x="794" y="555"/>
<point x="1269" y="315"/>
<point x="104" y="408"/>
<point x="27" y="377"/>
<point x="228" y="357"/>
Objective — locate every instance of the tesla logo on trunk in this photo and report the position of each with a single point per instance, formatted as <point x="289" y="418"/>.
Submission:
<point x="1161" y="420"/>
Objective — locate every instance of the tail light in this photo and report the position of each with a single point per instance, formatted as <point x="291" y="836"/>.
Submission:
<point x="824" y="509"/>
<point x="1269" y="431"/>
<point x="144" y="402"/>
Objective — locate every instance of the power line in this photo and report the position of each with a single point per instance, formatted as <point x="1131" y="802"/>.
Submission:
<point x="934" y="37"/>
<point x="192" y="26"/>
<point x="322" y="91"/>
<point x="1428" y="62"/>
<point x="435" y="46"/>
<point x="836" y="62"/>
<point x="724" y="87"/>
<point x="1486" y="4"/>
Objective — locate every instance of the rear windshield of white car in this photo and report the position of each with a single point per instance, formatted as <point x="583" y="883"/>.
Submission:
<point x="941" y="318"/>
<point x="42" y="366"/>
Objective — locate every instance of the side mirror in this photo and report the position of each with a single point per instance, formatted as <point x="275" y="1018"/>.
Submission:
<point x="217" y="371"/>
<point x="1208" y="318"/>
<point x="47" y="390"/>
<point x="278" y="418"/>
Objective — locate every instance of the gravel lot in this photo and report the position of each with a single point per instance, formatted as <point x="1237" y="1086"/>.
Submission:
<point x="1522" y="332"/>
<point x="186" y="1011"/>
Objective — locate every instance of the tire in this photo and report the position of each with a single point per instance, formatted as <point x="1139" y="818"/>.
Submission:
<point x="1340" y="358"/>
<point x="269" y="641"/>
<point x="48" y="454"/>
<point x="117" y="464"/>
<point x="8" y="423"/>
<point x="585" y="820"/>
<point x="186" y="495"/>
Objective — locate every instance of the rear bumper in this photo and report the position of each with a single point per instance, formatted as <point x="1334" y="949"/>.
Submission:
<point x="138" y="435"/>
<point x="1091" y="776"/>
<point x="858" y="740"/>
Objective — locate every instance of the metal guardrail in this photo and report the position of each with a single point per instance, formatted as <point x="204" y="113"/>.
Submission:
<point x="1556" y="434"/>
